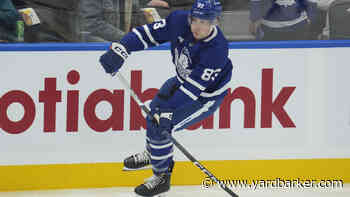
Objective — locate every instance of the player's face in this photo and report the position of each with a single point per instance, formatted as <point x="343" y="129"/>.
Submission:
<point x="200" y="28"/>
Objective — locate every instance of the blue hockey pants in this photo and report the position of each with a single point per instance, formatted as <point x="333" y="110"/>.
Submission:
<point x="158" y="145"/>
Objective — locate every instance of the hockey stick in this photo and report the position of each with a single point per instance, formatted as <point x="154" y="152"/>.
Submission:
<point x="177" y="144"/>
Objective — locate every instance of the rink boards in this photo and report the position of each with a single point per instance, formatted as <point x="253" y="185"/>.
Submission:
<point x="64" y="123"/>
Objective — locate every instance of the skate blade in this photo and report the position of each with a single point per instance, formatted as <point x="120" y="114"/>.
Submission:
<point x="136" y="169"/>
<point x="158" y="195"/>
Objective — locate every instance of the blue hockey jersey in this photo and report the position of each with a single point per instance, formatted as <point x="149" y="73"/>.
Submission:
<point x="203" y="67"/>
<point x="282" y="13"/>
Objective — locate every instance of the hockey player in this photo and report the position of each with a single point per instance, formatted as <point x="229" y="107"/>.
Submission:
<point x="200" y="55"/>
<point x="281" y="19"/>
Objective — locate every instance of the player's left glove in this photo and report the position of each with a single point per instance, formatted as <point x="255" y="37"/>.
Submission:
<point x="114" y="58"/>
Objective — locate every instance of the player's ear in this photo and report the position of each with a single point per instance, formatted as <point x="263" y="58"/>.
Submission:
<point x="217" y="21"/>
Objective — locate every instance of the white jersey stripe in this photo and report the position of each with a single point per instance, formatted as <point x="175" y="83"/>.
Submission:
<point x="281" y="24"/>
<point x="160" y="146"/>
<point x="157" y="142"/>
<point x="162" y="157"/>
<point x="196" y="114"/>
<point x="195" y="83"/>
<point x="215" y="93"/>
<point x="188" y="93"/>
<point x="138" y="34"/>
<point x="148" y="32"/>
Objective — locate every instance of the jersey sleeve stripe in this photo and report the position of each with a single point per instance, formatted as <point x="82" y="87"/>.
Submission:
<point x="148" y="33"/>
<point x="215" y="93"/>
<point x="188" y="93"/>
<point x="195" y="83"/>
<point x="138" y="34"/>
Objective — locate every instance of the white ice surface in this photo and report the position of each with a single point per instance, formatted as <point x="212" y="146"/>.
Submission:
<point x="182" y="191"/>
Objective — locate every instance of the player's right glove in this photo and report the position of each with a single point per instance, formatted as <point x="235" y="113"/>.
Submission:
<point x="156" y="129"/>
<point x="114" y="58"/>
<point x="165" y="120"/>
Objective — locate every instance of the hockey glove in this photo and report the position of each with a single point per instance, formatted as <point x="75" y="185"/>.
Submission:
<point x="165" y="120"/>
<point x="114" y="58"/>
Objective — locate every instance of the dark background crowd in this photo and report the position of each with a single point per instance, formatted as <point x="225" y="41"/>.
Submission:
<point x="108" y="20"/>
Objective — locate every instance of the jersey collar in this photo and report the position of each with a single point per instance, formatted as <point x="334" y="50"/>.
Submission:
<point x="212" y="35"/>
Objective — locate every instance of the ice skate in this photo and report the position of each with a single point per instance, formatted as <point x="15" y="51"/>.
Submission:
<point x="137" y="161"/>
<point x="156" y="186"/>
